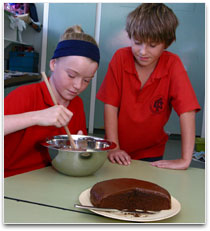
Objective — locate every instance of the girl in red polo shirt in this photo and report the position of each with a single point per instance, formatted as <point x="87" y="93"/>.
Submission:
<point x="142" y="84"/>
<point x="30" y="115"/>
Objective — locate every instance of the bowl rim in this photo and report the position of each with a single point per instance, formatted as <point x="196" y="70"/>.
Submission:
<point x="111" y="144"/>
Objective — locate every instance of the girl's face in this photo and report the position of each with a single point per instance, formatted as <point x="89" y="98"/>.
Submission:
<point x="71" y="75"/>
<point x="146" y="54"/>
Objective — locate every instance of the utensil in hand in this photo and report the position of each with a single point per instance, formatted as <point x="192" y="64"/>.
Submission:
<point x="55" y="102"/>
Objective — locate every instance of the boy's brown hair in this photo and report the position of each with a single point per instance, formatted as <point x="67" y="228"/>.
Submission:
<point x="152" y="22"/>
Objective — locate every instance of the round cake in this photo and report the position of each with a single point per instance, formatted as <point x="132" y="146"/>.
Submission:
<point x="131" y="194"/>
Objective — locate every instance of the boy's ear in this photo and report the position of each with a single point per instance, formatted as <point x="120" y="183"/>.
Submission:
<point x="52" y="64"/>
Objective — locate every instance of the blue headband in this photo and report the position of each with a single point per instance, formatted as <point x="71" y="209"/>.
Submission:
<point x="78" y="48"/>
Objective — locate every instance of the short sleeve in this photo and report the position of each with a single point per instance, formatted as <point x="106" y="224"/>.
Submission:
<point x="19" y="100"/>
<point x="110" y="89"/>
<point x="182" y="95"/>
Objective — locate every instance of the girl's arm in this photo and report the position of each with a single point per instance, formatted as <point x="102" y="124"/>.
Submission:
<point x="58" y="116"/>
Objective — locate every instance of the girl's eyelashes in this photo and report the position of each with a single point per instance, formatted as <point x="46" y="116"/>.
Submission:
<point x="87" y="80"/>
<point x="71" y="76"/>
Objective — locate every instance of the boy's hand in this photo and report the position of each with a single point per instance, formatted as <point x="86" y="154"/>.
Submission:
<point x="120" y="157"/>
<point x="179" y="164"/>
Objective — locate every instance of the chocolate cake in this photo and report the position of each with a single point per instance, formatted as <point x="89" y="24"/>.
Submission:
<point x="131" y="194"/>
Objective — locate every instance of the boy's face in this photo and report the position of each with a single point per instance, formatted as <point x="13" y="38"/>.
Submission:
<point x="146" y="54"/>
<point x="71" y="75"/>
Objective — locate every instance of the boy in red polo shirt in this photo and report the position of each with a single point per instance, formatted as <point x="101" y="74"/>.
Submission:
<point x="142" y="84"/>
<point x="30" y="115"/>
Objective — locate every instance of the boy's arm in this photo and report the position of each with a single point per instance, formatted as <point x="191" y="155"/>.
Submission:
<point x="187" y="125"/>
<point x="111" y="128"/>
<point x="111" y="123"/>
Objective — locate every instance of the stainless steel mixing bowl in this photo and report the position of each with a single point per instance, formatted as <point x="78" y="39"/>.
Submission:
<point x="86" y="159"/>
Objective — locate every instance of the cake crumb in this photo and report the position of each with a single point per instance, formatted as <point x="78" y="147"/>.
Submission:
<point x="136" y="214"/>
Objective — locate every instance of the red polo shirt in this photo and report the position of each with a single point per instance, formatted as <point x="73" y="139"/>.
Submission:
<point x="144" y="112"/>
<point x="22" y="149"/>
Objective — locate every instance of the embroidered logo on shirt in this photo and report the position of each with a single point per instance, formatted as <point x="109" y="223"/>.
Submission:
<point x="158" y="104"/>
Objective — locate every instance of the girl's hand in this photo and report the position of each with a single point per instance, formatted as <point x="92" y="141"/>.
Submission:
<point x="179" y="164"/>
<point x="57" y="115"/>
<point x="119" y="156"/>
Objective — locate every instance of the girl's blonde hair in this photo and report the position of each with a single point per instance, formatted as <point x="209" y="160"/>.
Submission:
<point x="75" y="42"/>
<point x="152" y="22"/>
<point x="76" y="33"/>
